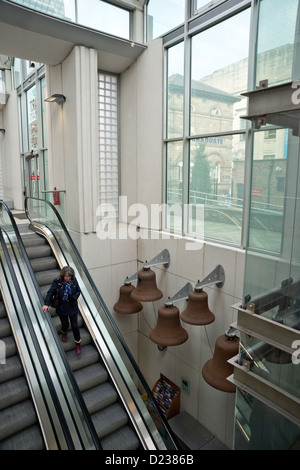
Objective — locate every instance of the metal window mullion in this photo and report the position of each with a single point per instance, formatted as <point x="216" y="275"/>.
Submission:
<point x="39" y="113"/>
<point x="249" y="144"/>
<point x="165" y="135"/>
<point x="119" y="144"/>
<point x="24" y="117"/>
<point x="186" y="125"/>
<point x="217" y="134"/>
<point x="216" y="14"/>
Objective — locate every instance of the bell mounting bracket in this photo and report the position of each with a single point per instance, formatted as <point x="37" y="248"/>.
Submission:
<point x="182" y="294"/>
<point x="217" y="276"/>
<point x="231" y="333"/>
<point x="162" y="258"/>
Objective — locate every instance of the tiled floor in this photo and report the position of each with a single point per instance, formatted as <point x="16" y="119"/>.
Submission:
<point x="192" y="435"/>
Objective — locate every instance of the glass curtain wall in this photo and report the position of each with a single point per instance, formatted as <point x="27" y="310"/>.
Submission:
<point x="205" y="135"/>
<point x="29" y="80"/>
<point x="275" y="148"/>
<point x="174" y="147"/>
<point x="272" y="274"/>
<point x="217" y="156"/>
<point x="164" y="16"/>
<point x="97" y="14"/>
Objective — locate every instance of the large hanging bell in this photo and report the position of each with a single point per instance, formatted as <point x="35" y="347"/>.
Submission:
<point x="168" y="330"/>
<point x="197" y="311"/>
<point x="216" y="370"/>
<point x="146" y="289"/>
<point x="125" y="303"/>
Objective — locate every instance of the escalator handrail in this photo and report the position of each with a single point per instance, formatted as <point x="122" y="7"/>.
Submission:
<point x="39" y="353"/>
<point x="109" y="317"/>
<point x="54" y="334"/>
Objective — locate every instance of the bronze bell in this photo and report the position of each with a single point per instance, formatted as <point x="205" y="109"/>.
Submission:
<point x="197" y="311"/>
<point x="216" y="370"/>
<point x="125" y="303"/>
<point x="146" y="289"/>
<point x="168" y="330"/>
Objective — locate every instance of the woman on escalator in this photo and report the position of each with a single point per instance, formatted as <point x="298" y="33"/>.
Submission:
<point x="68" y="291"/>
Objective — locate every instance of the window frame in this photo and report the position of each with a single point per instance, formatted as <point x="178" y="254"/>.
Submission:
<point x="194" y="25"/>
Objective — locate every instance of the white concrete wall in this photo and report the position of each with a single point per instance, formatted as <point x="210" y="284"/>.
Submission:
<point x="212" y="408"/>
<point x="73" y="144"/>
<point x="73" y="136"/>
<point x="141" y="131"/>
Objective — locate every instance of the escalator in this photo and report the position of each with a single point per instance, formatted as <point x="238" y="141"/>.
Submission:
<point x="100" y="396"/>
<point x="40" y="408"/>
<point x="105" y="374"/>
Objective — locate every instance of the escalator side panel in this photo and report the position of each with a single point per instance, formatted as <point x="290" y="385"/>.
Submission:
<point x="19" y="425"/>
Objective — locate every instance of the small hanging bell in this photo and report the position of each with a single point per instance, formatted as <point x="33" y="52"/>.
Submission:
<point x="197" y="311"/>
<point x="216" y="370"/>
<point x="146" y="289"/>
<point x="168" y="330"/>
<point x="125" y="303"/>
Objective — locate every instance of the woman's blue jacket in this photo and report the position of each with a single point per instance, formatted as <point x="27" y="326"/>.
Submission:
<point x="69" y="307"/>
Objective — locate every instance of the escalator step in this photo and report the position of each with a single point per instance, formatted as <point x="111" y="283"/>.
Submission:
<point x="43" y="264"/>
<point x="88" y="356"/>
<point x="29" y="439"/>
<point x="5" y="329"/>
<point x="123" y="439"/>
<point x="109" y="420"/>
<point x="100" y="397"/>
<point x="13" y="391"/>
<point x="11" y="370"/>
<point x="2" y="309"/>
<point x="32" y="239"/>
<point x="90" y="376"/>
<point x="46" y="277"/>
<point x="16" y="418"/>
<point x="10" y="346"/>
<point x="38" y="251"/>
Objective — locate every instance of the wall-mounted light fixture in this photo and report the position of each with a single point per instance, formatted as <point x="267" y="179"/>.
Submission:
<point x="146" y="289"/>
<point x="56" y="98"/>
<point x="2" y="131"/>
